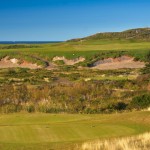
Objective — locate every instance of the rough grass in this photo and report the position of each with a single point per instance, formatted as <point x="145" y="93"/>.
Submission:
<point x="63" y="131"/>
<point x="140" y="142"/>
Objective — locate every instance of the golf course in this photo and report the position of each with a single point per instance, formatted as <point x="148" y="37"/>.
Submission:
<point x="74" y="74"/>
<point x="67" y="131"/>
<point x="83" y="94"/>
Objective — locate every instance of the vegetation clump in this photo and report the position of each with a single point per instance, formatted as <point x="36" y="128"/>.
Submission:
<point x="140" y="102"/>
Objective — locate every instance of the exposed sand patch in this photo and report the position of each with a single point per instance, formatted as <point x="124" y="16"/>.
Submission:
<point x="13" y="63"/>
<point x="118" y="63"/>
<point x="51" y="66"/>
<point x="29" y="65"/>
<point x="69" y="61"/>
<point x="14" y="60"/>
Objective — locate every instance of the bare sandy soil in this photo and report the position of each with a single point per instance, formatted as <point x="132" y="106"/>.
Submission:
<point x="106" y="64"/>
<point x="69" y="61"/>
<point x="51" y="66"/>
<point x="118" y="63"/>
<point x="13" y="63"/>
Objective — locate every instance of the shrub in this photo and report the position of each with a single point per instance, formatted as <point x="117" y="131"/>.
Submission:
<point x="30" y="108"/>
<point x="10" y="108"/>
<point x="146" y="69"/>
<point x="120" y="106"/>
<point x="59" y="62"/>
<point x="140" y="102"/>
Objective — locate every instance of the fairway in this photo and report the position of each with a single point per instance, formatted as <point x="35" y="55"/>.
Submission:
<point x="50" y="131"/>
<point x="43" y="54"/>
<point x="74" y="75"/>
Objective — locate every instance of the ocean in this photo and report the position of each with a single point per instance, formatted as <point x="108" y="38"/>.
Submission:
<point x="29" y="42"/>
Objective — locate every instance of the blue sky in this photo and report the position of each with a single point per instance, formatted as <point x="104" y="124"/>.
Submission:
<point x="54" y="20"/>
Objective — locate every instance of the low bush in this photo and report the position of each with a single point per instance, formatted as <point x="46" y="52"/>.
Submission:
<point x="140" y="102"/>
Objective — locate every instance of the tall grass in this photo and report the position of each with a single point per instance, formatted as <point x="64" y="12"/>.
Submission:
<point x="140" y="142"/>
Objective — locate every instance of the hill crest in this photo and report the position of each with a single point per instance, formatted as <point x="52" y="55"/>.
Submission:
<point x="131" y="34"/>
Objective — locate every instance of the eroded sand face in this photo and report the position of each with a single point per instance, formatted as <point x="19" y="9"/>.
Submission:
<point x="13" y="63"/>
<point x="69" y="61"/>
<point x="106" y="64"/>
<point x="118" y="63"/>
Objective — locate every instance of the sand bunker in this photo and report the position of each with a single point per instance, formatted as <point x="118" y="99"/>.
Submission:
<point x="118" y="63"/>
<point x="106" y="64"/>
<point x="51" y="66"/>
<point x="69" y="61"/>
<point x="13" y="63"/>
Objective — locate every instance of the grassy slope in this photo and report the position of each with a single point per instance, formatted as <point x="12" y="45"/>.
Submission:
<point x="85" y="49"/>
<point x="45" y="131"/>
<point x="135" y="41"/>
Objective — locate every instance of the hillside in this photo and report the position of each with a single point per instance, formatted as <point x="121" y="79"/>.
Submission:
<point x="132" y="34"/>
<point x="69" y="95"/>
<point x="95" y="76"/>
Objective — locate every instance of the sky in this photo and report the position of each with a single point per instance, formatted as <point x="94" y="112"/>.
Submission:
<point x="59" y="20"/>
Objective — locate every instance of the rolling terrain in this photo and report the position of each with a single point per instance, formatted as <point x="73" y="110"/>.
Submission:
<point x="70" y="95"/>
<point x="90" y="49"/>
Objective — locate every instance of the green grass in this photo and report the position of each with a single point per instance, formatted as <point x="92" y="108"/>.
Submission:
<point x="91" y="50"/>
<point x="50" y="131"/>
<point x="62" y="131"/>
<point x="76" y="49"/>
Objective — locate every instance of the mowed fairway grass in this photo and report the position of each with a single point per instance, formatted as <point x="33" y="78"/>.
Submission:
<point x="63" y="131"/>
<point x="75" y="49"/>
